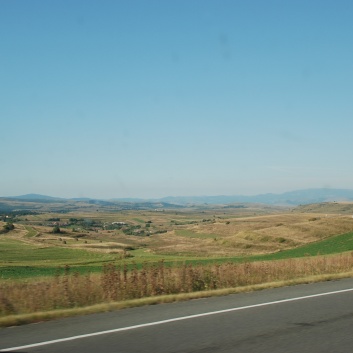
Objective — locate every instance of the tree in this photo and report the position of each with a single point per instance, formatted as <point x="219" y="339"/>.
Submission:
<point x="56" y="229"/>
<point x="9" y="226"/>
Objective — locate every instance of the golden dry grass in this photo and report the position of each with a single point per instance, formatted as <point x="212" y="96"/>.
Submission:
<point x="21" y="319"/>
<point x="254" y="235"/>
<point x="23" y="301"/>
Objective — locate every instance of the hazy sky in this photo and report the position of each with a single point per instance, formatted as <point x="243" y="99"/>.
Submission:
<point x="175" y="97"/>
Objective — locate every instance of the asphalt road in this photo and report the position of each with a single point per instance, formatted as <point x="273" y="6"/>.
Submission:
<point x="305" y="318"/>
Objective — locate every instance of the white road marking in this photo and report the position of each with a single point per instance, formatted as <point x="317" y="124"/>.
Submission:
<point x="172" y="320"/>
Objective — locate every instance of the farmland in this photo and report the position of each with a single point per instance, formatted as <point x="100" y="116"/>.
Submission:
<point x="88" y="240"/>
<point x="133" y="254"/>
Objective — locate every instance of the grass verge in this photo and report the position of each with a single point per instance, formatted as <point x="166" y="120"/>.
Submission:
<point x="13" y="320"/>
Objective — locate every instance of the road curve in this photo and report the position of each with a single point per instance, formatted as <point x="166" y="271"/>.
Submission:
<point x="306" y="318"/>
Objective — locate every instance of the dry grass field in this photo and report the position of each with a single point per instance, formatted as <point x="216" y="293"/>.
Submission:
<point x="210" y="233"/>
<point x="250" y="235"/>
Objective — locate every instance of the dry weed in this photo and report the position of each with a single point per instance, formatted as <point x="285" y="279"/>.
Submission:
<point x="72" y="290"/>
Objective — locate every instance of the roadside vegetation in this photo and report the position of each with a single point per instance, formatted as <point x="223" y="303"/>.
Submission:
<point x="71" y="290"/>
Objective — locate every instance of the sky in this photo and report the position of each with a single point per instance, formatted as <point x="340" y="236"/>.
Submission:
<point x="136" y="98"/>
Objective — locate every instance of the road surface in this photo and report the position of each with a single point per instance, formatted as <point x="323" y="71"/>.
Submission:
<point x="304" y="318"/>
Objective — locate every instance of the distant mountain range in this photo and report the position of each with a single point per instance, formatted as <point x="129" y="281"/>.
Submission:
<point x="35" y="197"/>
<point x="292" y="198"/>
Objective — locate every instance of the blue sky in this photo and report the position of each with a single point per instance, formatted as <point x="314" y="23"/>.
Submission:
<point x="156" y="98"/>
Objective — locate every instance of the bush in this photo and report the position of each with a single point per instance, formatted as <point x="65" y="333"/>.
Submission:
<point x="7" y="227"/>
<point x="56" y="230"/>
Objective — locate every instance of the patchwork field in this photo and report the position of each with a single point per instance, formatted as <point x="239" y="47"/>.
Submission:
<point x="87" y="240"/>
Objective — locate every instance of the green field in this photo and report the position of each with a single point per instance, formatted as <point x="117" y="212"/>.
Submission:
<point x="332" y="245"/>
<point x="19" y="259"/>
<point x="30" y="232"/>
<point x="139" y="220"/>
<point x="15" y="252"/>
<point x="190" y="234"/>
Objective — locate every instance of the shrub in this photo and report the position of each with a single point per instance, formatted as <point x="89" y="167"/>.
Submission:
<point x="56" y="230"/>
<point x="7" y="227"/>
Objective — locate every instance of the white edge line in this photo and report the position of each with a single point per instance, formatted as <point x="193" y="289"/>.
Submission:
<point x="171" y="320"/>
